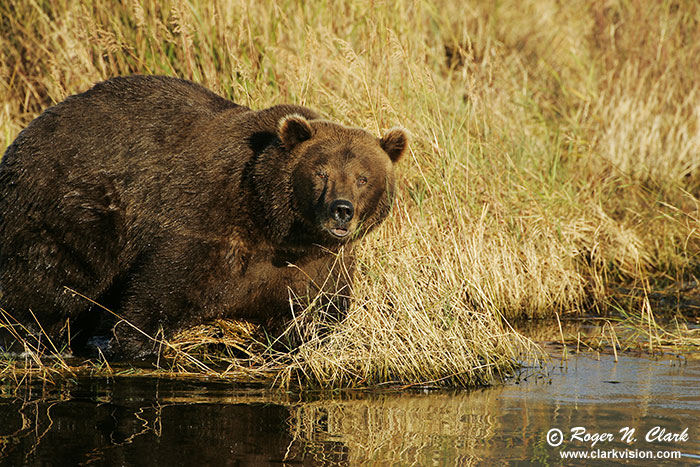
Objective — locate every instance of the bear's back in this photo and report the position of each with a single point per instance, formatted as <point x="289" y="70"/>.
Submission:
<point x="115" y="111"/>
<point x="163" y="93"/>
<point x="133" y="131"/>
<point x="119" y="160"/>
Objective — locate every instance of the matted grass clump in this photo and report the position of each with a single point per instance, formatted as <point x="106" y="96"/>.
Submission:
<point x="555" y="154"/>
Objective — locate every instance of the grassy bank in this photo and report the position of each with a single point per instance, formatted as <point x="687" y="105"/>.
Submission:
<point x="554" y="160"/>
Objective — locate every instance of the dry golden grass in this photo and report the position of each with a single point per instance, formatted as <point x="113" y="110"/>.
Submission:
<point x="555" y="149"/>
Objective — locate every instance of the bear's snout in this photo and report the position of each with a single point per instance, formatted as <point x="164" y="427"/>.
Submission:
<point x="342" y="211"/>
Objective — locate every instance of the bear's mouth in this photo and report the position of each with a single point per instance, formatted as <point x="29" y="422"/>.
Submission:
<point x="339" y="232"/>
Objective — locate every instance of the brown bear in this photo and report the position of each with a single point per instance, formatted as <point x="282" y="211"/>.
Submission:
<point x="171" y="206"/>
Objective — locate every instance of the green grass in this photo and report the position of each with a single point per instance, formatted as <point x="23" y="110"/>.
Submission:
<point x="555" y="153"/>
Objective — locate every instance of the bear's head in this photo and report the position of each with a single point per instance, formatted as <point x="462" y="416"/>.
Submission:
<point x="341" y="179"/>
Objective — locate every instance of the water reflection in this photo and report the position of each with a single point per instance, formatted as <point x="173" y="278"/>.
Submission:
<point x="132" y="421"/>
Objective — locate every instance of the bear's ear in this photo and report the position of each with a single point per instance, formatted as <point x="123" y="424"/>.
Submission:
<point x="294" y="129"/>
<point x="394" y="143"/>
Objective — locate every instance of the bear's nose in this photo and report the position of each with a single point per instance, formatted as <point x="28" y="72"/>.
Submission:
<point x="342" y="210"/>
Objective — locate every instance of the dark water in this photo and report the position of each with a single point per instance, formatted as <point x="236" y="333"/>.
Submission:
<point x="153" y="422"/>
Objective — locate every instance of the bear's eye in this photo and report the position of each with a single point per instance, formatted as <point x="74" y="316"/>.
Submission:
<point x="322" y="175"/>
<point x="362" y="181"/>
